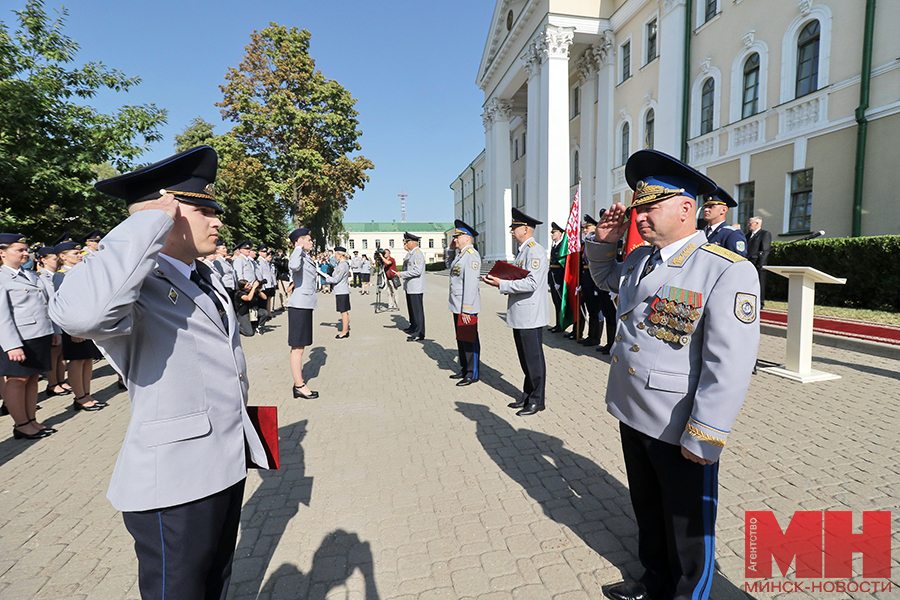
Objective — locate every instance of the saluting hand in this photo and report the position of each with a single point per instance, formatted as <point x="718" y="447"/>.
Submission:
<point x="612" y="225"/>
<point x="168" y="204"/>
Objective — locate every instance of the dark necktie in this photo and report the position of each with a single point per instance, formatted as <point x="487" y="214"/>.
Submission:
<point x="707" y="231"/>
<point x="207" y="289"/>
<point x="655" y="259"/>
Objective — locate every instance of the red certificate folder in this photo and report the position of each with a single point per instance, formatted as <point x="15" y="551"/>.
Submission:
<point x="467" y="333"/>
<point x="504" y="270"/>
<point x="265" y="421"/>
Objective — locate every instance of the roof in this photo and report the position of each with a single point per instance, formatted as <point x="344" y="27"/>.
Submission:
<point x="376" y="227"/>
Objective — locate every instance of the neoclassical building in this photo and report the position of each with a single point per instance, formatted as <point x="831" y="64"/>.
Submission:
<point x="791" y="105"/>
<point x="365" y="238"/>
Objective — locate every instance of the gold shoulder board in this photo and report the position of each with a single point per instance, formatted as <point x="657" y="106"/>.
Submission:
<point x="723" y="252"/>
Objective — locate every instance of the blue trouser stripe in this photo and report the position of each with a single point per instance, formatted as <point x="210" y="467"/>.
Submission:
<point x="701" y="592"/>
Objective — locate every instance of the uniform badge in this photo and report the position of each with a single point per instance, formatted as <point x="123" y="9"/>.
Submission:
<point x="475" y="265"/>
<point x="173" y="295"/>
<point x="535" y="264"/>
<point x="741" y="246"/>
<point x="745" y="307"/>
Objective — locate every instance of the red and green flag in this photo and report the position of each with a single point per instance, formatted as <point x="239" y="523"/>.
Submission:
<point x="570" y="250"/>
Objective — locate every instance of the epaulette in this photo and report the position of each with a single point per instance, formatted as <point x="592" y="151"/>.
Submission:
<point x="723" y="252"/>
<point x="470" y="251"/>
<point x="530" y="244"/>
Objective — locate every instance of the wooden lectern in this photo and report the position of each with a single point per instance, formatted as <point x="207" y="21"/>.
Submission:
<point x="801" y="295"/>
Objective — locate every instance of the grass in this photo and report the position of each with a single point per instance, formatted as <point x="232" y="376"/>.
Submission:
<point x="862" y="314"/>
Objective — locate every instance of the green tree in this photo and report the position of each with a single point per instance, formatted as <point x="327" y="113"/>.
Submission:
<point x="50" y="143"/>
<point x="298" y="125"/>
<point x="198" y="133"/>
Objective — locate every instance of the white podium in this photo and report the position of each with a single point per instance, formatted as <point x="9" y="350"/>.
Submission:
<point x="801" y="295"/>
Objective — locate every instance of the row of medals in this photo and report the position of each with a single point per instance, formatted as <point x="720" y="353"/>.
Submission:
<point x="673" y="321"/>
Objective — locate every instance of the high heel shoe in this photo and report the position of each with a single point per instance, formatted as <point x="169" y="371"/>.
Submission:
<point x="342" y="337"/>
<point x="79" y="406"/>
<point x="47" y="430"/>
<point x="311" y="396"/>
<point x="18" y="435"/>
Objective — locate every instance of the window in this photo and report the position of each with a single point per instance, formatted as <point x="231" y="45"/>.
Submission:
<point x="626" y="60"/>
<point x="576" y="101"/>
<point x="626" y="143"/>
<point x="523" y="144"/>
<point x="651" y="40"/>
<point x="377" y="243"/>
<point x="808" y="59"/>
<point x="516" y="199"/>
<point x="516" y="149"/>
<point x="801" y="200"/>
<point x="431" y="242"/>
<point x="576" y="169"/>
<point x="707" y="106"/>
<point x="746" y="194"/>
<point x="352" y="244"/>
<point x="750" y="104"/>
<point x="711" y="6"/>
<point x="365" y="244"/>
<point x="649" y="122"/>
<point x="391" y="243"/>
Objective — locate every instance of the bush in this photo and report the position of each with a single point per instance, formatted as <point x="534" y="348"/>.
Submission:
<point x="871" y="266"/>
<point x="436" y="266"/>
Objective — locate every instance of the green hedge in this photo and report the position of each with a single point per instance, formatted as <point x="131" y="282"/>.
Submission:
<point x="871" y="266"/>
<point x="436" y="266"/>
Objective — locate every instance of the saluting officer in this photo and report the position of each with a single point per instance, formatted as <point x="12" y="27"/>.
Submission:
<point x="527" y="311"/>
<point x="688" y="331"/>
<point x="465" y="301"/>
<point x="717" y="231"/>
<point x="413" y="276"/>
<point x="557" y="273"/>
<point x="304" y="273"/>
<point x="91" y="241"/>
<point x="167" y="324"/>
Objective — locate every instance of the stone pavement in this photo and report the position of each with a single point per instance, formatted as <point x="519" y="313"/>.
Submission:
<point x="395" y="484"/>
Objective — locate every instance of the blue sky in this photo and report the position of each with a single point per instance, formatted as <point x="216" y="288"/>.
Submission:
<point x="410" y="64"/>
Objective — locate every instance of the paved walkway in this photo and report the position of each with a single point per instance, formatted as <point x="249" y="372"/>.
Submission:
<point x="395" y="484"/>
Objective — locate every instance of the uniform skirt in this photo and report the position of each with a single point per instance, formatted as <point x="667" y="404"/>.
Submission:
<point x="85" y="350"/>
<point x="365" y="277"/>
<point x="299" y="327"/>
<point x="37" y="358"/>
<point x="342" y="303"/>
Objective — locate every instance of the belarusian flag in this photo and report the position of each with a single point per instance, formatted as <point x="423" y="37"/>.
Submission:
<point x="570" y="249"/>
<point x="633" y="237"/>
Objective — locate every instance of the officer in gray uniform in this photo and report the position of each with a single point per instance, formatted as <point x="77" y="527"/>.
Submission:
<point x="301" y="304"/>
<point x="243" y="267"/>
<point x="686" y="344"/>
<point x="413" y="277"/>
<point x="224" y="268"/>
<point x="166" y="323"/>
<point x="528" y="311"/>
<point x="715" y="211"/>
<point x="356" y="269"/>
<point x="465" y="301"/>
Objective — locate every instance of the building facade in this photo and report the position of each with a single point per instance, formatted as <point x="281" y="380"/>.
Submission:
<point x="365" y="238"/>
<point x="767" y="97"/>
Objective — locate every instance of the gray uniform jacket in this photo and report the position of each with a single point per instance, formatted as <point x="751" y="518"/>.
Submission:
<point x="268" y="272"/>
<point x="186" y="376"/>
<point x="528" y="305"/>
<point x="23" y="308"/>
<point x="465" y="273"/>
<point x="356" y="264"/>
<point x="243" y="269"/>
<point x="340" y="279"/>
<point x="688" y="394"/>
<point x="413" y="274"/>
<point x="226" y="272"/>
<point x="303" y="272"/>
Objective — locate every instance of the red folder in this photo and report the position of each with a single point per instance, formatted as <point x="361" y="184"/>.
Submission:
<point x="265" y="421"/>
<point x="467" y="333"/>
<point x="504" y="270"/>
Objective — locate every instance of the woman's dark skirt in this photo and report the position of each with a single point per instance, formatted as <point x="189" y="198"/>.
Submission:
<point x="342" y="303"/>
<point x="37" y="359"/>
<point x="365" y="277"/>
<point x="85" y="350"/>
<point x="299" y="327"/>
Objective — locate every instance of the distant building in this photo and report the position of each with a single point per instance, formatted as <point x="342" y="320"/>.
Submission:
<point x="366" y="237"/>
<point x="767" y="103"/>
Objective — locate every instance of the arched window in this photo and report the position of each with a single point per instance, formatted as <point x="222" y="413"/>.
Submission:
<point x="707" y="106"/>
<point x="649" y="122"/>
<point x="576" y="173"/>
<point x="750" y="104"/>
<point x="626" y="143"/>
<point x="808" y="59"/>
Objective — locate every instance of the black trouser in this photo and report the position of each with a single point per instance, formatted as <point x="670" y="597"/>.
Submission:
<point x="591" y="303"/>
<point x="674" y="501"/>
<point x="608" y="309"/>
<point x="184" y="552"/>
<point x="556" y="296"/>
<point x="416" y="308"/>
<point x="762" y="286"/>
<point x="469" y="352"/>
<point x="530" y="348"/>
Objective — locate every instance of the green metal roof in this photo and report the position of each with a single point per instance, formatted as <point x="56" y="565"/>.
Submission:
<point x="374" y="226"/>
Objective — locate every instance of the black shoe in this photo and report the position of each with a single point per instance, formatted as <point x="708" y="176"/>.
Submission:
<point x="570" y="336"/>
<point x="415" y="338"/>
<point x="342" y="337"/>
<point x="50" y="392"/>
<point x="554" y="329"/>
<point x="517" y="404"/>
<point x="590" y="342"/>
<point x="604" y="349"/>
<point x="530" y="410"/>
<point x="457" y="376"/>
<point x="466" y="381"/>
<point x="18" y="435"/>
<point x="93" y="407"/>
<point x="310" y="396"/>
<point x="47" y="430"/>
<point x="625" y="590"/>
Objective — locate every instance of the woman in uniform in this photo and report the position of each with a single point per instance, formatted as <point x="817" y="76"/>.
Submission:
<point x="365" y="274"/>
<point x="340" y="281"/>
<point x="48" y="263"/>
<point x="300" y="307"/>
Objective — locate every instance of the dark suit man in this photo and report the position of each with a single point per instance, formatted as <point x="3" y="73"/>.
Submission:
<point x="758" y="245"/>
<point x="556" y="274"/>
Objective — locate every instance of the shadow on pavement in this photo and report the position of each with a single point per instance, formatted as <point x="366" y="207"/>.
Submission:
<point x="858" y="367"/>
<point x="315" y="362"/>
<point x="446" y="360"/>
<point x="338" y="557"/>
<point x="572" y="490"/>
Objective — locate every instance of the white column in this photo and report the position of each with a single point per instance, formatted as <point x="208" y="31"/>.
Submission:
<point x="532" y="61"/>
<point x="498" y="201"/>
<point x="587" y="73"/>
<point x="554" y="43"/>
<point x="671" y="73"/>
<point x="605" y="152"/>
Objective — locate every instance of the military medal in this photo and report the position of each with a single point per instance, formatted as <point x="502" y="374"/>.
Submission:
<point x="689" y="328"/>
<point x="652" y="330"/>
<point x="684" y="340"/>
